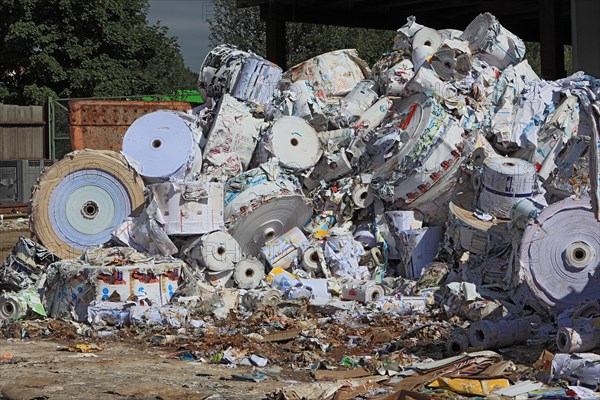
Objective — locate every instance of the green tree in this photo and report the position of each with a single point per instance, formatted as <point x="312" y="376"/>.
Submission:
<point x="85" y="48"/>
<point x="245" y="29"/>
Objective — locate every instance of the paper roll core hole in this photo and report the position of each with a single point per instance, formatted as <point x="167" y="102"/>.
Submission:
<point x="510" y="164"/>
<point x="156" y="143"/>
<point x="374" y="296"/>
<point x="427" y="43"/>
<point x="220" y="250"/>
<point x="480" y="335"/>
<point x="8" y="309"/>
<point x="269" y="234"/>
<point x="89" y="209"/>
<point x="455" y="347"/>
<point x="363" y="195"/>
<point x="562" y="340"/>
<point x="249" y="273"/>
<point x="314" y="257"/>
<point x="579" y="255"/>
<point x="294" y="142"/>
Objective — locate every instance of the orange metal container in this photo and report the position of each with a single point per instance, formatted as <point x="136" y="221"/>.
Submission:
<point x="101" y="124"/>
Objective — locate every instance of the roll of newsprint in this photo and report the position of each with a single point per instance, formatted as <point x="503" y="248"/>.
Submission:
<point x="496" y="46"/>
<point x="248" y="273"/>
<point x="427" y="37"/>
<point x="257" y="80"/>
<point x="81" y="199"/>
<point x="584" y="335"/>
<point x="560" y="252"/>
<point x="488" y="334"/>
<point x="262" y="204"/>
<point x="504" y="182"/>
<point x="215" y="251"/>
<point x="362" y="291"/>
<point x="164" y="145"/>
<point x="294" y="143"/>
<point x="220" y="70"/>
<point x="232" y="137"/>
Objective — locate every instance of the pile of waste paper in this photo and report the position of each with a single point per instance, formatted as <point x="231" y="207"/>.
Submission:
<point x="447" y="182"/>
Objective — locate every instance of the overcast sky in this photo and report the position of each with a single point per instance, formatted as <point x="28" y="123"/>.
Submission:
<point x="185" y="19"/>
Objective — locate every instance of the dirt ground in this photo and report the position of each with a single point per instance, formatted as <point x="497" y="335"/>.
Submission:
<point x="10" y="230"/>
<point x="32" y="369"/>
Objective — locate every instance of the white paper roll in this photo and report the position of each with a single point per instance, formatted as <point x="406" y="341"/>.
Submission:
<point x="360" y="196"/>
<point x="373" y="117"/>
<point x="360" y="98"/>
<point x="433" y="147"/>
<point x="420" y="55"/>
<point x="233" y="136"/>
<point x="220" y="70"/>
<point x="452" y="61"/>
<point x="504" y="182"/>
<point x="364" y="292"/>
<point x="559" y="254"/>
<point x="310" y="259"/>
<point x="330" y="167"/>
<point x="496" y="45"/>
<point x="427" y="37"/>
<point x="283" y="251"/>
<point x="295" y="143"/>
<point x="163" y="145"/>
<point x="260" y="207"/>
<point x="248" y="273"/>
<point x="330" y="74"/>
<point x="257" y="80"/>
<point x="216" y="251"/>
<point x="11" y="308"/>
<point x="190" y="208"/>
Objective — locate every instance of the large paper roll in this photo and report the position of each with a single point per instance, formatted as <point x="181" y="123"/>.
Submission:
<point x="295" y="143"/>
<point x="504" y="182"/>
<point x="81" y="199"/>
<point x="373" y="117"/>
<point x="330" y="74"/>
<point x="582" y="336"/>
<point x="427" y="37"/>
<point x="495" y="45"/>
<point x="434" y="144"/>
<point x="560" y="127"/>
<point x="392" y="71"/>
<point x="220" y="70"/>
<point x="487" y="334"/>
<point x="420" y="55"/>
<point x="330" y="167"/>
<point x="216" y="251"/>
<point x="452" y="61"/>
<point x="12" y="308"/>
<point x="190" y="208"/>
<point x="560" y="254"/>
<point x="263" y="204"/>
<point x="465" y="230"/>
<point x="248" y="273"/>
<point x="257" y="80"/>
<point x="164" y="145"/>
<point x="360" y="98"/>
<point x="311" y="259"/>
<point x="233" y="137"/>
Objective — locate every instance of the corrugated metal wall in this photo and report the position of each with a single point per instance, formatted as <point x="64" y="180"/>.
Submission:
<point x="22" y="130"/>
